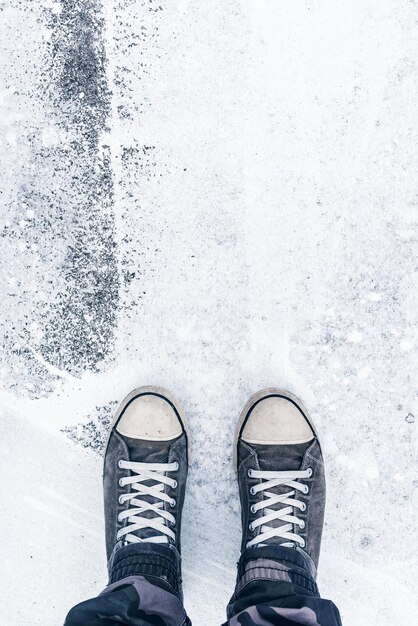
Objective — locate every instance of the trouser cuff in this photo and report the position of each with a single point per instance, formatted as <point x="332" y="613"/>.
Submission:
<point x="148" y="560"/>
<point x="277" y="564"/>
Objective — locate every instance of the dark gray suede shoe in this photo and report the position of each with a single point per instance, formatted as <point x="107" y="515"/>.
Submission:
<point x="145" y="471"/>
<point x="280" y="474"/>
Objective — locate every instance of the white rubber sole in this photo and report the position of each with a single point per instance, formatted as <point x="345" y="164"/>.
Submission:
<point x="259" y="396"/>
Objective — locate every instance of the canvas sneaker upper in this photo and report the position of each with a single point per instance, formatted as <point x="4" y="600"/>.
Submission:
<point x="145" y="471"/>
<point x="281" y="474"/>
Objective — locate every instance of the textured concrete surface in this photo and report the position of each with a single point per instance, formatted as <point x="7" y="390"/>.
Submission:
<point x="213" y="197"/>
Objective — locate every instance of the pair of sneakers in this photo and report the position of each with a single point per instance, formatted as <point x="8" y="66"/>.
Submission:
<point x="278" y="461"/>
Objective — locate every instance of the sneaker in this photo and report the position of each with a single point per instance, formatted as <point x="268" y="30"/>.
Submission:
<point x="281" y="474"/>
<point x="145" y="471"/>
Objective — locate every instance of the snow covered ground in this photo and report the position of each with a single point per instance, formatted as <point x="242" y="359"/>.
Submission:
<point x="214" y="197"/>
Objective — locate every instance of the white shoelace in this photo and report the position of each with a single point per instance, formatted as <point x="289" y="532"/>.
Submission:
<point x="286" y="514"/>
<point x="142" y="472"/>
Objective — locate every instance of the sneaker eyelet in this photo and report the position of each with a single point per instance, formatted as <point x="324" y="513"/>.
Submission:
<point x="303" y="507"/>
<point x="251" y="528"/>
<point x="120" y="482"/>
<point x="173" y="503"/>
<point x="252" y="508"/>
<point x="252" y="491"/>
<point x="175" y="484"/>
<point x="309" y="470"/>
<point x="120" y="500"/>
<point x="120" y="464"/>
<point x="303" y="544"/>
<point x="177" y="466"/>
<point x="302" y="524"/>
<point x="305" y="489"/>
<point x="250" y="473"/>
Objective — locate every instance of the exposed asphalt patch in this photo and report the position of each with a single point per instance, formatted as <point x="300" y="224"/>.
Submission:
<point x="64" y="289"/>
<point x="79" y="332"/>
<point x="93" y="433"/>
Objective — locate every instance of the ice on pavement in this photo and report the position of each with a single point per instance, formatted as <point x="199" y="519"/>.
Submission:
<point x="213" y="197"/>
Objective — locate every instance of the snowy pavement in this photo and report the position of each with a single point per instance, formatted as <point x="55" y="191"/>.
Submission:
<point x="214" y="197"/>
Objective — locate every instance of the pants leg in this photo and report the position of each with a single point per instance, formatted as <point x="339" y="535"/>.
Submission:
<point x="276" y="587"/>
<point x="144" y="590"/>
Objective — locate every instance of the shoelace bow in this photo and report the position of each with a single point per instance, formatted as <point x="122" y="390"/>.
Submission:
<point x="140" y="473"/>
<point x="285" y="514"/>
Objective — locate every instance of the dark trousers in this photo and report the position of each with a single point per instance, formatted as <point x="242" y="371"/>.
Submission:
<point x="275" y="586"/>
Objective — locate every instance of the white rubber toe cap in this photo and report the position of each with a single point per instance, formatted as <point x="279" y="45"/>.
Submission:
<point x="149" y="417"/>
<point x="276" y="421"/>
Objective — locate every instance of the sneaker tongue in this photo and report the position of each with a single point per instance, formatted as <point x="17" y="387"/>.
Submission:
<point x="280" y="458"/>
<point x="142" y="451"/>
